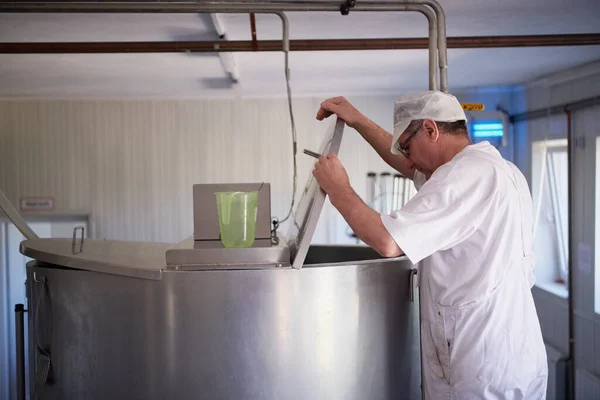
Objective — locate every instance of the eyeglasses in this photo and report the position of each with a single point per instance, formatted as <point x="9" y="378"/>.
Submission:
<point x="403" y="147"/>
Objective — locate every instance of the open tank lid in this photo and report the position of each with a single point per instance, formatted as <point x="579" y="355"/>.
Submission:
<point x="311" y="203"/>
<point x="146" y="260"/>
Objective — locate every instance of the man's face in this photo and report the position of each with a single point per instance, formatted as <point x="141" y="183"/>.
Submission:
<point x="415" y="145"/>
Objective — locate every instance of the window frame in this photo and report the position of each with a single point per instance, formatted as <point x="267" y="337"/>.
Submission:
<point x="552" y="275"/>
<point x="559" y="213"/>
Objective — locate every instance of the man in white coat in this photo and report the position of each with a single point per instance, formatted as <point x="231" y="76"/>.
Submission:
<point x="469" y="231"/>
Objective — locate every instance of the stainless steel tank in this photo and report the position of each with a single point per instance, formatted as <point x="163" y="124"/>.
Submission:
<point x="336" y="329"/>
<point x="280" y="320"/>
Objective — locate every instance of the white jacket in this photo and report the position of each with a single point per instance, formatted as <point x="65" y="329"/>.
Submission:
<point x="469" y="230"/>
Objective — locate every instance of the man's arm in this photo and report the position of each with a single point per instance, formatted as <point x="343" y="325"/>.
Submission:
<point x="365" y="223"/>
<point x="375" y="135"/>
<point x="381" y="141"/>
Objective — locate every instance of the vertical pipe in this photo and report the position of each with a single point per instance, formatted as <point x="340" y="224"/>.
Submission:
<point x="570" y="171"/>
<point x="371" y="178"/>
<point x="442" y="48"/>
<point x="432" y="22"/>
<point x="433" y="52"/>
<point x="406" y="191"/>
<point x="385" y="192"/>
<point x="20" y="339"/>
<point x="396" y="192"/>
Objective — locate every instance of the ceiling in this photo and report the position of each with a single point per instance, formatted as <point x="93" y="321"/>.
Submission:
<point x="312" y="73"/>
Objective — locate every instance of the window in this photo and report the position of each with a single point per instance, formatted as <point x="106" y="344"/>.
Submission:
<point x="550" y="198"/>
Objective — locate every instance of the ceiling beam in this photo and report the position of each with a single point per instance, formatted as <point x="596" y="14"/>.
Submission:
<point x="228" y="46"/>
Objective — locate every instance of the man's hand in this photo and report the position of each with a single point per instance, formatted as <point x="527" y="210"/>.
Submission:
<point x="342" y="108"/>
<point x="332" y="176"/>
<point x="375" y="135"/>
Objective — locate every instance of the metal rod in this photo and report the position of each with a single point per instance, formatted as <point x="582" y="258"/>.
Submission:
<point x="15" y="217"/>
<point x="555" y="110"/>
<point x="20" y="339"/>
<point x="298" y="45"/>
<point x="570" y="274"/>
<point x="311" y="153"/>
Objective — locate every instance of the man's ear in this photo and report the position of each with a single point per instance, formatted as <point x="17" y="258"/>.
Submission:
<point x="433" y="133"/>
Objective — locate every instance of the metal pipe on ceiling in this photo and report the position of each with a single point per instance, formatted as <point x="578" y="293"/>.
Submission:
<point x="296" y="45"/>
<point x="240" y="7"/>
<point x="433" y="43"/>
<point x="199" y="7"/>
<point x="555" y="110"/>
<point x="433" y="4"/>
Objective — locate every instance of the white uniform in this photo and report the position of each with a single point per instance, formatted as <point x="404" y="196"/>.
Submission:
<point x="469" y="228"/>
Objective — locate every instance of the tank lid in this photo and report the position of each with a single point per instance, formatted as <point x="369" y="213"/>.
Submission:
<point x="144" y="260"/>
<point x="311" y="203"/>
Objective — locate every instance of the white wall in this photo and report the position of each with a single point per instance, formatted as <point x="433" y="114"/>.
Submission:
<point x="132" y="164"/>
<point x="570" y="86"/>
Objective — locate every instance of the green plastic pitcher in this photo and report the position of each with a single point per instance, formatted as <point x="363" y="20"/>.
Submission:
<point x="237" y="217"/>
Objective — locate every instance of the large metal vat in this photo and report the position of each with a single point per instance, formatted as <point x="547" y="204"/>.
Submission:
<point x="195" y="320"/>
<point x="332" y="330"/>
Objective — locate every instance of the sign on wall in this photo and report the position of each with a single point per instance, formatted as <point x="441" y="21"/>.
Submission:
<point x="36" y="203"/>
<point x="473" y="106"/>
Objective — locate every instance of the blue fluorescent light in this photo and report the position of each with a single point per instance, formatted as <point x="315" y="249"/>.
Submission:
<point x="487" y="134"/>
<point x="487" y="126"/>
<point x="487" y="129"/>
